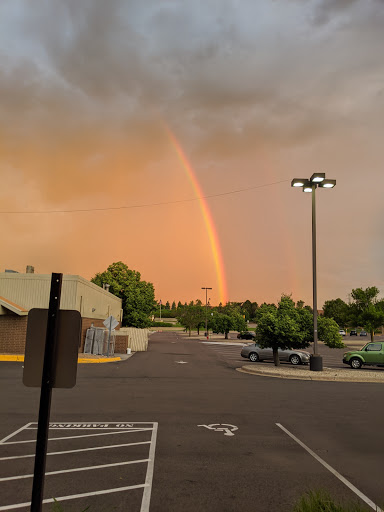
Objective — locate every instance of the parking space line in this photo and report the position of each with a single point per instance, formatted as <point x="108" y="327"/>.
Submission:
<point x="74" y="470"/>
<point x="3" y="441"/>
<point x="85" y="435"/>
<point x="333" y="471"/>
<point x="149" y="476"/>
<point x="92" y="428"/>
<point x="79" y="450"/>
<point x="75" y="496"/>
<point x="108" y="428"/>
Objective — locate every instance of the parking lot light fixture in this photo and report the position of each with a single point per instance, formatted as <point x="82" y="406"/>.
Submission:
<point x="328" y="184"/>
<point x="298" y="182"/>
<point x="317" y="179"/>
<point x="206" y="309"/>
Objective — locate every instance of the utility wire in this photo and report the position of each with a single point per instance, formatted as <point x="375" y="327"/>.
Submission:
<point x="149" y="204"/>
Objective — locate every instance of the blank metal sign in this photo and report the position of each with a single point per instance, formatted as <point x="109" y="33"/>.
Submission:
<point x="66" y="353"/>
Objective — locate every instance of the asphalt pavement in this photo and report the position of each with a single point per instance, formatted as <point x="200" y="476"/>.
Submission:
<point x="178" y="429"/>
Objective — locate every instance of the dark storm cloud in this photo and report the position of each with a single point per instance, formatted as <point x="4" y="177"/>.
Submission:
<point x="99" y="71"/>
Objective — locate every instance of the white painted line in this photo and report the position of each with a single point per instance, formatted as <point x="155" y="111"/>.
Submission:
<point x="224" y="343"/>
<point x="75" y="496"/>
<point x="75" y="451"/>
<point x="333" y="471"/>
<point x="85" y="435"/>
<point x="74" y="470"/>
<point x="149" y="476"/>
<point x="14" y="433"/>
<point x="92" y="428"/>
<point x="90" y="423"/>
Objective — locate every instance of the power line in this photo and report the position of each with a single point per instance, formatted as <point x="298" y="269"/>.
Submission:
<point x="147" y="205"/>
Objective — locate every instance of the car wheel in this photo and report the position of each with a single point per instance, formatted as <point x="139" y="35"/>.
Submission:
<point x="253" y="357"/>
<point x="355" y="363"/>
<point x="295" y="359"/>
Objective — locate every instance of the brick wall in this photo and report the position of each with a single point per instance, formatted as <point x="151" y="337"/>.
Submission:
<point x="121" y="344"/>
<point x="13" y="331"/>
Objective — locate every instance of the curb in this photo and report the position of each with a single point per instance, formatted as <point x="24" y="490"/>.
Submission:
<point x="322" y="377"/>
<point x="80" y="360"/>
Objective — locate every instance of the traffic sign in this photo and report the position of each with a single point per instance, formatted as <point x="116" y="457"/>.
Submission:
<point x="111" y="322"/>
<point x="64" y="369"/>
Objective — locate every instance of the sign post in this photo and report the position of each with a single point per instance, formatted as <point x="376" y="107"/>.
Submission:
<point x="110" y="323"/>
<point x="46" y="394"/>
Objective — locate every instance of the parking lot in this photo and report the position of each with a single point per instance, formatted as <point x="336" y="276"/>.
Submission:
<point x="212" y="438"/>
<point x="332" y="357"/>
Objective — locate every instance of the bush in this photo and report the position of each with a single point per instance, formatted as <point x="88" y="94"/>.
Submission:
<point x="163" y="324"/>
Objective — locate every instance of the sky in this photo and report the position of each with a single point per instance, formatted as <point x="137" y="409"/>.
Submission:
<point x="133" y="110"/>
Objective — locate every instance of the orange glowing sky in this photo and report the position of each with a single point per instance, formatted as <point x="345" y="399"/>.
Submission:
<point x="110" y="104"/>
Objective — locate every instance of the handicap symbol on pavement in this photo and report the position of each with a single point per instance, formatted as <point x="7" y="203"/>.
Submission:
<point x="221" y="427"/>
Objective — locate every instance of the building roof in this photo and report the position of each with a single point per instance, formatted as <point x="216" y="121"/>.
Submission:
<point x="15" y="308"/>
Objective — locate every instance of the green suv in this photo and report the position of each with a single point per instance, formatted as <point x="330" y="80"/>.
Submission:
<point x="372" y="354"/>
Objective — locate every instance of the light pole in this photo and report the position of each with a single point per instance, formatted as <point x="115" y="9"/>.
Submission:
<point x="316" y="180"/>
<point x="206" y="309"/>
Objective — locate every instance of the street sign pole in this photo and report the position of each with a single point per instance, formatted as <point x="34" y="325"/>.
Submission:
<point x="109" y="334"/>
<point x="46" y="394"/>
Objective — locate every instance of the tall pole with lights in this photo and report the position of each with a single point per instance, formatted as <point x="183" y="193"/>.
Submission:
<point x="309" y="185"/>
<point x="206" y="308"/>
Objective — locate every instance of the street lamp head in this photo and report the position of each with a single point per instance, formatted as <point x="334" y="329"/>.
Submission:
<point x="317" y="177"/>
<point x="298" y="182"/>
<point x="328" y="184"/>
<point x="307" y="187"/>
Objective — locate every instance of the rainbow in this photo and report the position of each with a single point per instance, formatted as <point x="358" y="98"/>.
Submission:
<point x="207" y="216"/>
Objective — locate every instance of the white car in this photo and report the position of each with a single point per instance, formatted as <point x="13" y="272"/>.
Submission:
<point x="342" y="332"/>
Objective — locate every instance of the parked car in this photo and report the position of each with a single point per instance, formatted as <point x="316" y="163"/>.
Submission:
<point x="255" y="353"/>
<point x="370" y="354"/>
<point x="353" y="333"/>
<point x="342" y="332"/>
<point x="246" y="335"/>
<point x="363" y="333"/>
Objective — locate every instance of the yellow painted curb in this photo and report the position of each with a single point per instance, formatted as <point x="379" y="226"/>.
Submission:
<point x="101" y="360"/>
<point x="81" y="360"/>
<point x="11" y="357"/>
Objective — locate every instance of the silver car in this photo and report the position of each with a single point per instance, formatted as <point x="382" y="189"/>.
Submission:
<point x="255" y="353"/>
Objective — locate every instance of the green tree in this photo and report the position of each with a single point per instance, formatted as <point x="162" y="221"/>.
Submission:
<point x="249" y="309"/>
<point x="338" y="310"/>
<point x="280" y="328"/>
<point x="167" y="305"/>
<point x="366" y="310"/>
<point x="291" y="327"/>
<point x="263" y="309"/>
<point x="328" y="332"/>
<point x="173" y="307"/>
<point x="138" y="297"/>
<point x="190" y="316"/>
<point x="224" y="323"/>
